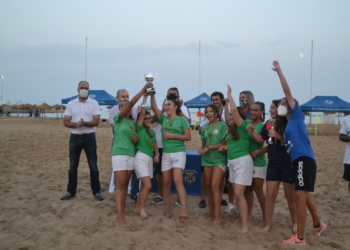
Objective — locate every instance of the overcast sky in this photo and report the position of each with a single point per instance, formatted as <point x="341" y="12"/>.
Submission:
<point x="42" y="47"/>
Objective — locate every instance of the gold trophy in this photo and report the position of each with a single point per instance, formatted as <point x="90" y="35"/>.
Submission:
<point x="273" y="123"/>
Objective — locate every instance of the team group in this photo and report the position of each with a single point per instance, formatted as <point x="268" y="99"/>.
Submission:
<point x="232" y="138"/>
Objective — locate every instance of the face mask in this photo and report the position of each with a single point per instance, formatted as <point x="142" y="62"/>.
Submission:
<point x="146" y="106"/>
<point x="282" y="110"/>
<point x="83" y="93"/>
<point x="243" y="103"/>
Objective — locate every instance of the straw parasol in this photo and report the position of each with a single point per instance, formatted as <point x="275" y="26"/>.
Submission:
<point x="57" y="106"/>
<point x="44" y="106"/>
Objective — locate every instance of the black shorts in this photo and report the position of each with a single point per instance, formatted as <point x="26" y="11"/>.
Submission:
<point x="304" y="173"/>
<point x="346" y="175"/>
<point x="280" y="172"/>
<point x="158" y="166"/>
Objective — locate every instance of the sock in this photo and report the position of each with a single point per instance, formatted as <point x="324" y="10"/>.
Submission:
<point x="301" y="239"/>
<point x="317" y="226"/>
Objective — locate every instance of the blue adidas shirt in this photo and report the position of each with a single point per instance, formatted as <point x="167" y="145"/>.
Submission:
<point x="296" y="139"/>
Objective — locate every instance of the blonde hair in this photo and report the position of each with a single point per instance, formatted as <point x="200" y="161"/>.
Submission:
<point x="250" y="97"/>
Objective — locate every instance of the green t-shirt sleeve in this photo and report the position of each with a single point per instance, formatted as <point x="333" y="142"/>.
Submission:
<point x="184" y="124"/>
<point x="203" y="132"/>
<point x="161" y="118"/>
<point x="223" y="131"/>
<point x="116" y="118"/>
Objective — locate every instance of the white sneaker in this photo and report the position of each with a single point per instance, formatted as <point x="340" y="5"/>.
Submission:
<point x="230" y="207"/>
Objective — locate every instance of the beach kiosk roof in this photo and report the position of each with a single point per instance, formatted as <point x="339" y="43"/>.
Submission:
<point x="101" y="96"/>
<point x="200" y="101"/>
<point x="326" y="104"/>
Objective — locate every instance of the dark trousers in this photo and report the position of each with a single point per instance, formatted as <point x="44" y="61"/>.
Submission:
<point x="135" y="184"/>
<point x="76" y="145"/>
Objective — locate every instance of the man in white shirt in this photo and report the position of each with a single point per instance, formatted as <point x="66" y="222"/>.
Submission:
<point x="82" y="115"/>
<point x="122" y="94"/>
<point x="173" y="93"/>
<point x="345" y="137"/>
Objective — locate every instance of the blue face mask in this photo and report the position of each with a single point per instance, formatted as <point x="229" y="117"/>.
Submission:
<point x="146" y="106"/>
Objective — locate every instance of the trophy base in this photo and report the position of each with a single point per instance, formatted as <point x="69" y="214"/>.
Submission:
<point x="151" y="91"/>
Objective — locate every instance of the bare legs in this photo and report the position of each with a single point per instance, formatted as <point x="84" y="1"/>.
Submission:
<point x="177" y="175"/>
<point x="257" y="186"/>
<point x="213" y="177"/>
<point x="122" y="178"/>
<point x="271" y="194"/>
<point x="304" y="199"/>
<point x="146" y="186"/>
<point x="242" y="206"/>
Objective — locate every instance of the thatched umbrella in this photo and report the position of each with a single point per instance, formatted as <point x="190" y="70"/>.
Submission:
<point x="57" y="106"/>
<point x="44" y="106"/>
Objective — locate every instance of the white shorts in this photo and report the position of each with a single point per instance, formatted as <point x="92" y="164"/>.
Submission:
<point x="259" y="172"/>
<point x="173" y="160"/>
<point x="143" y="165"/>
<point x="241" y="170"/>
<point x="122" y="162"/>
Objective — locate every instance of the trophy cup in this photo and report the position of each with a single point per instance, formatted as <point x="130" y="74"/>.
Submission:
<point x="273" y="124"/>
<point x="149" y="78"/>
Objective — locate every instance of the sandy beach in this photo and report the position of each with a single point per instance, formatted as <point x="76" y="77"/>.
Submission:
<point x="34" y="163"/>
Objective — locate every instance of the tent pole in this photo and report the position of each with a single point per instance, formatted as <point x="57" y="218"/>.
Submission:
<point x="61" y="115"/>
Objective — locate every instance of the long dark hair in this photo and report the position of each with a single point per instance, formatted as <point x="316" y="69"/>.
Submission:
<point x="173" y="98"/>
<point x="215" y="109"/>
<point x="233" y="128"/>
<point x="282" y="120"/>
<point x="262" y="107"/>
<point x="148" y="129"/>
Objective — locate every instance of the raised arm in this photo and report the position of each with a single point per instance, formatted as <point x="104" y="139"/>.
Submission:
<point x="142" y="111"/>
<point x="284" y="84"/>
<point x="235" y="115"/>
<point x="154" y="107"/>
<point x="227" y="113"/>
<point x="134" y="100"/>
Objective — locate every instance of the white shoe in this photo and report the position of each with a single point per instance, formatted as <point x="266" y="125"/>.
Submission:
<point x="230" y="207"/>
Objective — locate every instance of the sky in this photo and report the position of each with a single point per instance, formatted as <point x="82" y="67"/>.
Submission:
<point x="43" y="44"/>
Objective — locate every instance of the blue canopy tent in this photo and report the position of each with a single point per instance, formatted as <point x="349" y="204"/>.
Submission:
<point x="101" y="96"/>
<point x="326" y="104"/>
<point x="200" y="101"/>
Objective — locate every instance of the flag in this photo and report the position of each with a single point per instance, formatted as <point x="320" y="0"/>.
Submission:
<point x="317" y="119"/>
<point x="199" y="114"/>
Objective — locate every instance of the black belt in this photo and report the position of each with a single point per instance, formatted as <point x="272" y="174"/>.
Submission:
<point x="83" y="135"/>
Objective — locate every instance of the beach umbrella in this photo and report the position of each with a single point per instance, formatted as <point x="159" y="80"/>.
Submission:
<point x="44" y="106"/>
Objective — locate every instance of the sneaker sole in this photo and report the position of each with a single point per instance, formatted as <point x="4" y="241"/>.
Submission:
<point x="322" y="230"/>
<point x="161" y="202"/>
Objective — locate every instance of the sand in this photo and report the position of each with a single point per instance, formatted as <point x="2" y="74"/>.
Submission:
<point x="34" y="163"/>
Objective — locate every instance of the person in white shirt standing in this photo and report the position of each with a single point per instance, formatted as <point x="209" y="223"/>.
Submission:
<point x="82" y="115"/>
<point x="345" y="137"/>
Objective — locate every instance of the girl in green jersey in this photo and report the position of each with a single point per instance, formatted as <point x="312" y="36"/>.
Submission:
<point x="123" y="151"/>
<point x="213" y="161"/>
<point x="257" y="113"/>
<point x="175" y="131"/>
<point x="240" y="162"/>
<point x="143" y="163"/>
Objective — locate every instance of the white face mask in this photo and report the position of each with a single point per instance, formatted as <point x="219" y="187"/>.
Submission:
<point x="83" y="93"/>
<point x="282" y="110"/>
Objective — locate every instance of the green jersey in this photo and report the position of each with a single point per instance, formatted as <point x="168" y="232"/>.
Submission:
<point x="259" y="160"/>
<point x="213" y="135"/>
<point x="175" y="126"/>
<point x="146" y="141"/>
<point x="124" y="130"/>
<point x="240" y="147"/>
